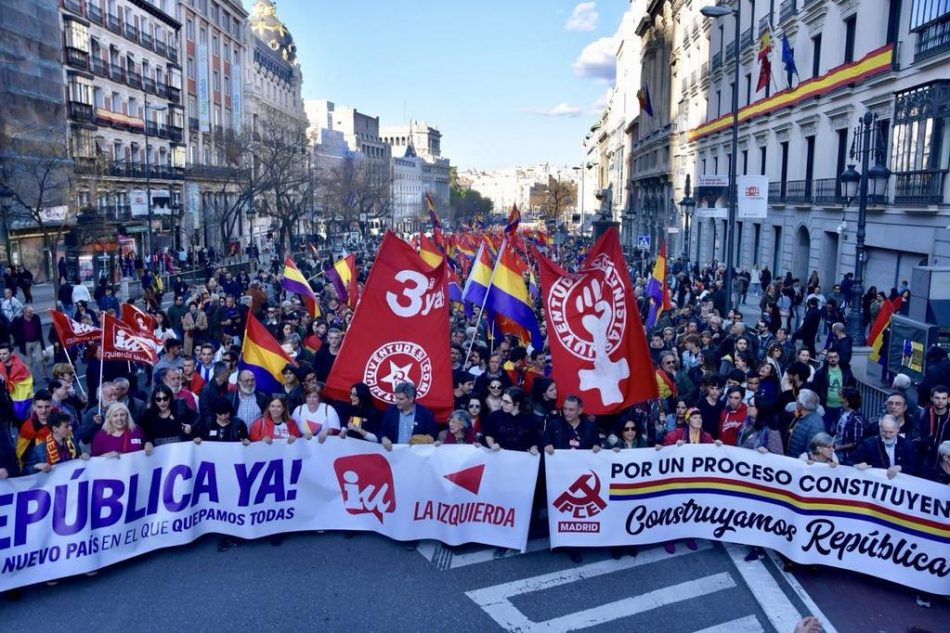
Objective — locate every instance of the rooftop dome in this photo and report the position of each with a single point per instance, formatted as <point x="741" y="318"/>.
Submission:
<point x="267" y="27"/>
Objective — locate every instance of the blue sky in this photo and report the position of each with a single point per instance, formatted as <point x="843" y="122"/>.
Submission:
<point x="508" y="82"/>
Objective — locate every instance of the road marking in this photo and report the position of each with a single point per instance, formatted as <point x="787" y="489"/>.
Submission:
<point x="777" y="607"/>
<point x="748" y="624"/>
<point x="444" y="558"/>
<point x="495" y="601"/>
<point x="806" y="599"/>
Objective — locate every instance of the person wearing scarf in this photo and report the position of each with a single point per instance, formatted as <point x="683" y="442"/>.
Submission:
<point x="57" y="447"/>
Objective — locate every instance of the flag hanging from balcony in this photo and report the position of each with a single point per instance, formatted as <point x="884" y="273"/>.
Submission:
<point x="788" y="56"/>
<point x="643" y="96"/>
<point x="765" y="64"/>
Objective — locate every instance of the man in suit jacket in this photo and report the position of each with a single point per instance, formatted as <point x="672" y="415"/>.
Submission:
<point x="406" y="418"/>
<point x="888" y="450"/>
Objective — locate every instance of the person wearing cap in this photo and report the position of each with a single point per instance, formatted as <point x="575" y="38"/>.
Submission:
<point x="172" y="356"/>
<point x="808" y="422"/>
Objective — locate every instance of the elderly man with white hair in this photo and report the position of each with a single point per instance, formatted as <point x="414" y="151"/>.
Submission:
<point x="808" y="422"/>
<point x="888" y="450"/>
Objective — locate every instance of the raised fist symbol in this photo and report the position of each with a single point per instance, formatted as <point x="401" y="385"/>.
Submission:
<point x="606" y="375"/>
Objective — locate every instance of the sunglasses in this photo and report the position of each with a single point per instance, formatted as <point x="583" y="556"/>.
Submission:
<point x="629" y="428"/>
<point x="161" y="399"/>
<point x="474" y="406"/>
<point x="494" y="386"/>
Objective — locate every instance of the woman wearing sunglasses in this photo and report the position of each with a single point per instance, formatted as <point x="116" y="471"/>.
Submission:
<point x="493" y="399"/>
<point x="166" y="420"/>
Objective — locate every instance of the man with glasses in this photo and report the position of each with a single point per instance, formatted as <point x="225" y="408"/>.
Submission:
<point x="247" y="402"/>
<point x="136" y="406"/>
<point x="171" y="378"/>
<point x="571" y="430"/>
<point x="907" y="423"/>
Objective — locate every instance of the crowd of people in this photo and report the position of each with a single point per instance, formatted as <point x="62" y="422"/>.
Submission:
<point x="782" y="384"/>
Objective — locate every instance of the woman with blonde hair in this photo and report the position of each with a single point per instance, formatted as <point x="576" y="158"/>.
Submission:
<point x="119" y="434"/>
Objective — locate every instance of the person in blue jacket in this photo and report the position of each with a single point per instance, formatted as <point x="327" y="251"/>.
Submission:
<point x="406" y="419"/>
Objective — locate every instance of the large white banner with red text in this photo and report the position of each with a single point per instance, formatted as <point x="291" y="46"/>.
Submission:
<point x="85" y="515"/>
<point x="897" y="529"/>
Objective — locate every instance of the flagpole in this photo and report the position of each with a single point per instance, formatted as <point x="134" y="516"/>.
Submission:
<point x="481" y="310"/>
<point x="102" y="361"/>
<point x="75" y="371"/>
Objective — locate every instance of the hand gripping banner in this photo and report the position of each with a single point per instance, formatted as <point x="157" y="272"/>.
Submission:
<point x="400" y="332"/>
<point x="897" y="529"/>
<point x="85" y="515"/>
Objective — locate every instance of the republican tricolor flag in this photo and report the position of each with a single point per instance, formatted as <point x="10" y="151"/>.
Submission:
<point x="295" y="282"/>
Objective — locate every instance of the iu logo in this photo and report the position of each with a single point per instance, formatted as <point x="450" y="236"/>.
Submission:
<point x="582" y="498"/>
<point x="751" y="191"/>
<point x="366" y="482"/>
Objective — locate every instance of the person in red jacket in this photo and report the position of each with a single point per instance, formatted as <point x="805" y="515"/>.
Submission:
<point x="275" y="424"/>
<point x="692" y="433"/>
<point x="733" y="416"/>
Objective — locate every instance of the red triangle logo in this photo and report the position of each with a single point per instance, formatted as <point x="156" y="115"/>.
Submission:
<point x="468" y="478"/>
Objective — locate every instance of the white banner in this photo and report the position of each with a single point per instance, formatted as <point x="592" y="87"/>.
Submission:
<point x="712" y="180"/>
<point x="85" y="515"/>
<point x="204" y="90"/>
<point x="897" y="529"/>
<point x="138" y="202"/>
<point x="753" y="197"/>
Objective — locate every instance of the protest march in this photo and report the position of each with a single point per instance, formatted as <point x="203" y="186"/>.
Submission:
<point x="463" y="387"/>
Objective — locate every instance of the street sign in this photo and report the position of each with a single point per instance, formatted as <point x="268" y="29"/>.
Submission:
<point x="643" y="241"/>
<point x="712" y="180"/>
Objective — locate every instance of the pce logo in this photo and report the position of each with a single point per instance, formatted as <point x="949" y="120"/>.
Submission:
<point x="366" y="482"/>
<point x="582" y="498"/>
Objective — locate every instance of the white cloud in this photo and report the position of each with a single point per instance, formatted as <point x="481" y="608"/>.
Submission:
<point x="583" y="18"/>
<point x="598" y="60"/>
<point x="561" y="110"/>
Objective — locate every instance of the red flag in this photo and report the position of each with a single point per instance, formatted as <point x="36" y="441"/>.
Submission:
<point x="141" y="322"/>
<point x="598" y="349"/>
<point x="121" y="342"/>
<point x="400" y="331"/>
<point x="72" y="332"/>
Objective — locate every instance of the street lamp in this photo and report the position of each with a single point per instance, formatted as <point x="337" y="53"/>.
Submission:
<point x="854" y="184"/>
<point x="6" y="201"/>
<point x="251" y="214"/>
<point x="148" y="175"/>
<point x="718" y="12"/>
<point x="687" y="206"/>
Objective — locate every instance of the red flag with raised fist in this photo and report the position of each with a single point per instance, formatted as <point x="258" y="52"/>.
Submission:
<point x="400" y="332"/>
<point x="121" y="342"/>
<point x="143" y="323"/>
<point x="72" y="332"/>
<point x="598" y="348"/>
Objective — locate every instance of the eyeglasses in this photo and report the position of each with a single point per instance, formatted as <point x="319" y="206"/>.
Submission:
<point x="629" y="428"/>
<point x="161" y="399"/>
<point x="494" y="386"/>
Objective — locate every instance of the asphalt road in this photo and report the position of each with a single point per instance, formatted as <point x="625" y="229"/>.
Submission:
<point x="328" y="582"/>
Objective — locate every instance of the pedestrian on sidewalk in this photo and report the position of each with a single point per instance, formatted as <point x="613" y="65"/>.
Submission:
<point x="28" y="336"/>
<point x="25" y="281"/>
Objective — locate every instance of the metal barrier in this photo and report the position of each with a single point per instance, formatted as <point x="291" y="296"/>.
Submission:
<point x="872" y="399"/>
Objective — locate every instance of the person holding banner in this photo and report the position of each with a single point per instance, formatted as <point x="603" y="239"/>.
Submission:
<point x="889" y="450"/>
<point x="512" y="428"/>
<point x="407" y="421"/>
<point x="221" y="425"/>
<point x="362" y="416"/>
<point x="692" y="433"/>
<point x="167" y="420"/>
<point x="570" y="430"/>
<point x="58" y="446"/>
<point x="821" y="450"/>
<point x="275" y="424"/>
<point x="119" y="434"/>
<point x="460" y="430"/>
<point x="315" y="417"/>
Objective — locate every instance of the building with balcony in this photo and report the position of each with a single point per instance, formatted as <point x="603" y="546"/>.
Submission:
<point x="417" y="143"/>
<point x="125" y="112"/>
<point x="852" y="58"/>
<point x="215" y="49"/>
<point x="674" y="75"/>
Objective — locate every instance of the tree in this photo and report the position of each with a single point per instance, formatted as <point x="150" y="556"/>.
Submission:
<point x="356" y="191"/>
<point x="559" y="196"/>
<point x="41" y="175"/>
<point x="468" y="204"/>
<point x="280" y="160"/>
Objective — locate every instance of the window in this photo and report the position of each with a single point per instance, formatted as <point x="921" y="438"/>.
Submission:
<point x="809" y="163"/>
<point x="203" y="36"/>
<point x="748" y="88"/>
<point x="842" y="157"/>
<point x="227" y="53"/>
<point x="816" y="55"/>
<point x="82" y="143"/>
<point x="784" y="174"/>
<point x="77" y="36"/>
<point x="216" y="80"/>
<point x="762" y="163"/>
<point x="745" y="162"/>
<point x="227" y="85"/>
<point x="849" y="32"/>
<point x="215" y="45"/>
<point x="190" y="65"/>
<point x="190" y="30"/>
<point x="80" y="89"/>
<point x="718" y="103"/>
